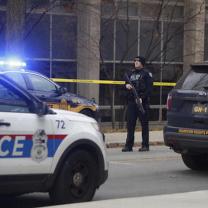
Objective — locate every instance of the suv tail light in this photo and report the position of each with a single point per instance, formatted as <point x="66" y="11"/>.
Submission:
<point x="169" y="102"/>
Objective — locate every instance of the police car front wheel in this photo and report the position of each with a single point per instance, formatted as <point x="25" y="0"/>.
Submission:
<point x="77" y="179"/>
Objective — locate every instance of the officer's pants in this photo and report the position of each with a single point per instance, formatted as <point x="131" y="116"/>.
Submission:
<point x="132" y="114"/>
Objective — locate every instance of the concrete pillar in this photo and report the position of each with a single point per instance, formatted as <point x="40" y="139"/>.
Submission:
<point x="194" y="32"/>
<point x="88" y="54"/>
<point x="15" y="28"/>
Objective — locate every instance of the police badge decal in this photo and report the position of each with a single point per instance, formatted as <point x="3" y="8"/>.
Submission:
<point x="39" y="150"/>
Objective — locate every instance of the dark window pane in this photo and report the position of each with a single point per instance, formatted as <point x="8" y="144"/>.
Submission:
<point x="66" y="70"/>
<point x="173" y="41"/>
<point x="150" y="42"/>
<point x="164" y="114"/>
<point x="155" y="70"/>
<point x="106" y="39"/>
<point x="37" y="36"/>
<point x="120" y="91"/>
<point x="206" y="42"/>
<point x="64" y="6"/>
<point x="35" y="5"/>
<point x="105" y="115"/>
<point x="106" y="73"/>
<point x="42" y="67"/>
<point x="127" y="8"/>
<point x="172" y="73"/>
<point x="148" y="11"/>
<point x="2" y="32"/>
<point x="3" y="2"/>
<point x="126" y="39"/>
<point x="64" y="37"/>
<point x="154" y="114"/>
<point x="172" y="11"/>
<point x="108" y="7"/>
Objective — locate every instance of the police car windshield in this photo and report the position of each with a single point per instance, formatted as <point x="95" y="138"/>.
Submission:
<point x="195" y="80"/>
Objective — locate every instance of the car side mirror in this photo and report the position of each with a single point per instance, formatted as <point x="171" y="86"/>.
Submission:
<point x="42" y="109"/>
<point x="62" y="90"/>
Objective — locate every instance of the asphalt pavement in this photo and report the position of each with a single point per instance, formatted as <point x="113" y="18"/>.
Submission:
<point x="185" y="200"/>
<point x="117" y="139"/>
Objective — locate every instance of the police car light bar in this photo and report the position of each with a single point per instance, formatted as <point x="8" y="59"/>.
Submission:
<point x="12" y="63"/>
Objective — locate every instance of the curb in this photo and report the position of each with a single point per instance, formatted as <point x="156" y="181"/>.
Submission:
<point x="137" y="144"/>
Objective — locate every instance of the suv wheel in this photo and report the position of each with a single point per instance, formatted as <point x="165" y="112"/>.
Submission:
<point x="195" y="162"/>
<point x="77" y="179"/>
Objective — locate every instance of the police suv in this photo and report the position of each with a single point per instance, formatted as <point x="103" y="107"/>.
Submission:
<point x="47" y="90"/>
<point x="186" y="131"/>
<point x="45" y="150"/>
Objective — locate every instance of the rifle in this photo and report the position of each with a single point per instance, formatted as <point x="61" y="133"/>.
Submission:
<point x="136" y="96"/>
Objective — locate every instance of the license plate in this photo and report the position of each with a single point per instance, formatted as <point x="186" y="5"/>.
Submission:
<point x="200" y="109"/>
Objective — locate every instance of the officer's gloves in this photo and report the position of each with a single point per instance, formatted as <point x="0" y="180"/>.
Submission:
<point x="128" y="86"/>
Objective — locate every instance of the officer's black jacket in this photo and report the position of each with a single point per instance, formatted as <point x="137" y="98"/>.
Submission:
<point x="142" y="81"/>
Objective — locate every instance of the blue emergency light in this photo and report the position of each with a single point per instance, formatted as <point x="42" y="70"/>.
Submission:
<point x="12" y="63"/>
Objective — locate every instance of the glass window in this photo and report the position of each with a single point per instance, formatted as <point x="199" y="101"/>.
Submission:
<point x="148" y="11"/>
<point x="43" y="67"/>
<point x="11" y="102"/>
<point x="172" y="73"/>
<point x="127" y="8"/>
<point x="173" y="41"/>
<point x="2" y="32"/>
<point x="108" y="7"/>
<point x="106" y="39"/>
<point x="17" y="77"/>
<point x="150" y="41"/>
<point x="37" y="36"/>
<point x="64" y="6"/>
<point x="126" y="39"/>
<point x="64" y="37"/>
<point x="120" y="91"/>
<point x="172" y="11"/>
<point x="106" y="73"/>
<point x="38" y="4"/>
<point x="41" y="84"/>
<point x="206" y="42"/>
<point x="3" y="2"/>
<point x="66" y="70"/>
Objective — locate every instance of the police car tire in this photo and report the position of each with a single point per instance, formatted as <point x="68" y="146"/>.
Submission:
<point x="65" y="190"/>
<point x="196" y="162"/>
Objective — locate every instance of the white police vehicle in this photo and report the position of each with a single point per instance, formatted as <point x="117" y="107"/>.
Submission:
<point x="44" y="150"/>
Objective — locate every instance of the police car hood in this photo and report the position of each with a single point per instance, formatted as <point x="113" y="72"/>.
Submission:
<point x="73" y="116"/>
<point x="77" y="99"/>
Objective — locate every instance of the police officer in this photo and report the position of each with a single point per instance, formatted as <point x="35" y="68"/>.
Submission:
<point x="141" y="79"/>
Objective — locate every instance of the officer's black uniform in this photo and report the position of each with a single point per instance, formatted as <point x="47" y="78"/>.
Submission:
<point x="142" y="81"/>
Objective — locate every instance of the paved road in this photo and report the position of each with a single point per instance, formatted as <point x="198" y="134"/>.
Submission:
<point x="159" y="171"/>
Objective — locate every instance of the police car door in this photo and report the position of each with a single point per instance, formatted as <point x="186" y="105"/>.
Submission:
<point x="25" y="138"/>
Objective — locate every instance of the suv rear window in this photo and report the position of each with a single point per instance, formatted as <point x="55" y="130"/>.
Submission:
<point x="195" y="79"/>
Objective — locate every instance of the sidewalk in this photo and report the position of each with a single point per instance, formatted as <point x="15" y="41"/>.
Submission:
<point x="117" y="139"/>
<point x="185" y="200"/>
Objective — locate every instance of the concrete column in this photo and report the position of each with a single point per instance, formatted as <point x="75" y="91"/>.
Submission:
<point x="15" y="28"/>
<point x="194" y="32"/>
<point x="88" y="54"/>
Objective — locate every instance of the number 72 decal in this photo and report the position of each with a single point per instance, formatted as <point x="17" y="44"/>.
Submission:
<point x="60" y="124"/>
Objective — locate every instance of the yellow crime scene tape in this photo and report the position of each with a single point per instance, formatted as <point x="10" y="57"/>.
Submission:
<point x="88" y="81"/>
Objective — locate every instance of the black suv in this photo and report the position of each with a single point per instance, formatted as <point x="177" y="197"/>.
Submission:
<point x="50" y="92"/>
<point x="186" y="131"/>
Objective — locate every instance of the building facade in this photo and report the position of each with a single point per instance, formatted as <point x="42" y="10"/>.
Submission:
<point x="98" y="39"/>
